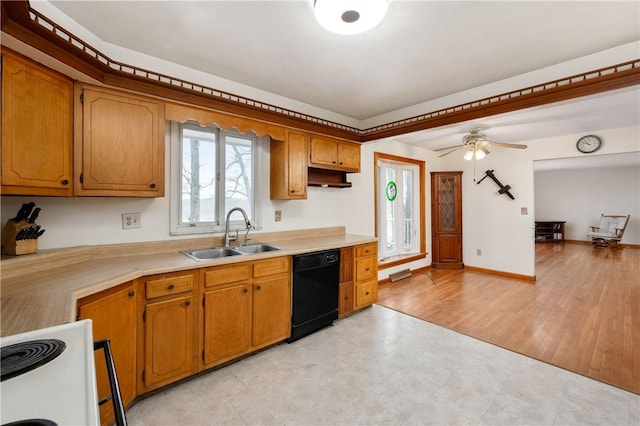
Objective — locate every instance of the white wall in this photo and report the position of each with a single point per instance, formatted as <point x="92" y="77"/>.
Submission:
<point x="492" y="222"/>
<point x="580" y="196"/>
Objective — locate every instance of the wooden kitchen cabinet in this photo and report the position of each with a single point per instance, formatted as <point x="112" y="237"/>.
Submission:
<point x="333" y="154"/>
<point x="168" y="349"/>
<point x="346" y="294"/>
<point x="247" y="306"/>
<point x="37" y="128"/>
<point x="366" y="275"/>
<point x="289" y="167"/>
<point x="119" y="144"/>
<point x="113" y="316"/>
<point x="446" y="223"/>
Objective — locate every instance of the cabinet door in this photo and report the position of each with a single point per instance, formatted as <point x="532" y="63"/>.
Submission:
<point x="169" y="340"/>
<point x="346" y="298"/>
<point x="227" y="323"/>
<point x="288" y="174"/>
<point x="37" y="129"/>
<point x="366" y="293"/>
<point x="114" y="317"/>
<point x="349" y="156"/>
<point x="271" y="310"/>
<point x="298" y="143"/>
<point x="122" y="145"/>
<point x="324" y="152"/>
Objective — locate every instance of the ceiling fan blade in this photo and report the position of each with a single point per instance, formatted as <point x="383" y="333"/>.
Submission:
<point x="506" y="145"/>
<point x="483" y="149"/>
<point x="453" y="150"/>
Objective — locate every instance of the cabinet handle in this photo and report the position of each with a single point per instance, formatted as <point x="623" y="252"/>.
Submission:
<point x="187" y="303"/>
<point x="341" y="163"/>
<point x="367" y="269"/>
<point x="132" y="293"/>
<point x="171" y="287"/>
<point x="65" y="181"/>
<point x="258" y="287"/>
<point x="334" y="161"/>
<point x="245" y="290"/>
<point x="292" y="191"/>
<point x="152" y="186"/>
<point x="366" y="294"/>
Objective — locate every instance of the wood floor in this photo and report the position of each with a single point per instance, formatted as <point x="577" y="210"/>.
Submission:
<point x="582" y="313"/>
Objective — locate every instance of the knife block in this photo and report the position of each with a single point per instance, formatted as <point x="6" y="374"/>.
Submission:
<point x="15" y="247"/>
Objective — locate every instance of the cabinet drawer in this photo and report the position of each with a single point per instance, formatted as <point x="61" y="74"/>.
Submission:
<point x="366" y="268"/>
<point x="169" y="285"/>
<point x="227" y="274"/>
<point x="366" y="293"/>
<point x="367" y="249"/>
<point x="273" y="266"/>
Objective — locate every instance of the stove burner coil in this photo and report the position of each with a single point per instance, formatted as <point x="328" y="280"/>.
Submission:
<point x="32" y="422"/>
<point x="22" y="357"/>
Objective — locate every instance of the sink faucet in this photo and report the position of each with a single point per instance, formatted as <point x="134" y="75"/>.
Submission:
<point x="227" y="238"/>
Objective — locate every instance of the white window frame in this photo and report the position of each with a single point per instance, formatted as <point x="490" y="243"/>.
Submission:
<point x="400" y="249"/>
<point x="217" y="226"/>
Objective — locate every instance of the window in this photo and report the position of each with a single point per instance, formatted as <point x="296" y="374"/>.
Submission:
<point x="213" y="171"/>
<point x="400" y="213"/>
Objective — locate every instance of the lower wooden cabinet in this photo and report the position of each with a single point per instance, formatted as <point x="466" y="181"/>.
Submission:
<point x="113" y="314"/>
<point x="246" y="306"/>
<point x="168" y="346"/>
<point x="227" y="323"/>
<point x="366" y="275"/>
<point x="346" y="295"/>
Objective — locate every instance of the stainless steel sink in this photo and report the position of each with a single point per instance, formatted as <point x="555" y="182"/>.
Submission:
<point x="256" y="248"/>
<point x="213" y="253"/>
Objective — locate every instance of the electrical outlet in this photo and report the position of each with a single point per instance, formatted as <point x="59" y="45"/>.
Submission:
<point x="479" y="252"/>
<point x="278" y="215"/>
<point x="131" y="221"/>
<point x="524" y="211"/>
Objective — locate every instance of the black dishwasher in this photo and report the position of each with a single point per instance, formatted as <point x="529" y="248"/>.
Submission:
<point x="316" y="284"/>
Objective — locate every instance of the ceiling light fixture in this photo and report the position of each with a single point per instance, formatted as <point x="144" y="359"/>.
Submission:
<point x="349" y="16"/>
<point x="475" y="142"/>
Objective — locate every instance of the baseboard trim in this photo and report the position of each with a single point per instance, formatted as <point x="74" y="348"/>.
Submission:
<point x="501" y="273"/>
<point x="625" y="245"/>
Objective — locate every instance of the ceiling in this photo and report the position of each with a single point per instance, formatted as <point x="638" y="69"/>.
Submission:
<point x="422" y="50"/>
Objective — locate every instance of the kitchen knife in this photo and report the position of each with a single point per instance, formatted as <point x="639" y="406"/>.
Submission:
<point x="24" y="211"/>
<point x="39" y="234"/>
<point x="20" y="234"/>
<point x="34" y="215"/>
<point x="34" y="231"/>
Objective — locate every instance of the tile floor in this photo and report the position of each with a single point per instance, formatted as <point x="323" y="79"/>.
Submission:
<point x="384" y="367"/>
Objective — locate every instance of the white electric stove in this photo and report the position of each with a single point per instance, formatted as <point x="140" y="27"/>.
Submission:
<point x="49" y="374"/>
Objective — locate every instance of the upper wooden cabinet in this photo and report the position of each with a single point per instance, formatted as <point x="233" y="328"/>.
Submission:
<point x="37" y="128"/>
<point x="119" y="144"/>
<point x="289" y="167"/>
<point x="334" y="154"/>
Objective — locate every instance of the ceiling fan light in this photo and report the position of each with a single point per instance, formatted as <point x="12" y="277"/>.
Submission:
<point x="480" y="154"/>
<point x="349" y="16"/>
<point x="468" y="155"/>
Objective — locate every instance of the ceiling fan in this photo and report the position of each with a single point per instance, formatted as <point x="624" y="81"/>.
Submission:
<point x="476" y="144"/>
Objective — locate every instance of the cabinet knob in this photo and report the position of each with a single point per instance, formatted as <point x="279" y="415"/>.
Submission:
<point x="132" y="293"/>
<point x="64" y="181"/>
<point x="292" y="191"/>
<point x="366" y="294"/>
<point x="258" y="287"/>
<point x="334" y="161"/>
<point x="341" y="163"/>
<point x="245" y="290"/>
<point x="152" y="185"/>
<point x="187" y="303"/>
<point x="171" y="287"/>
<point x="367" y="269"/>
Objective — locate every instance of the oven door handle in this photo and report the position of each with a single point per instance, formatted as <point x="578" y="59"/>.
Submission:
<point x="116" y="397"/>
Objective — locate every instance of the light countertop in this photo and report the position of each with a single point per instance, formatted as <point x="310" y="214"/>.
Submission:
<point x="46" y="295"/>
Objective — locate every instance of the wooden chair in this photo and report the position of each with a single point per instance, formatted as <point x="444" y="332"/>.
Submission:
<point x="610" y="231"/>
